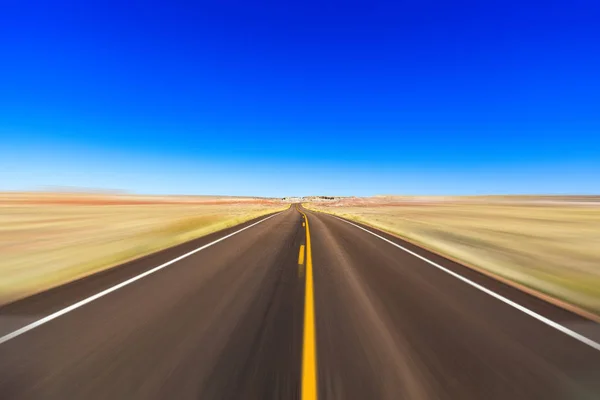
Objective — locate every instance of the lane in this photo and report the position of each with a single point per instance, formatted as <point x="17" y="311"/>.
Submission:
<point x="223" y="323"/>
<point x="64" y="291"/>
<point x="390" y="326"/>
<point x="31" y="309"/>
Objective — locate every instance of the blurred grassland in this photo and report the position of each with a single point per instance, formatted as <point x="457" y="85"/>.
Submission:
<point x="553" y="248"/>
<point x="48" y="243"/>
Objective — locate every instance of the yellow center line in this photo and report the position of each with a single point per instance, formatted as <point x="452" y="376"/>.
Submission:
<point x="309" y="347"/>
<point x="301" y="255"/>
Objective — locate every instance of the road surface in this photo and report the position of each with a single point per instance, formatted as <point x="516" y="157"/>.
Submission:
<point x="265" y="313"/>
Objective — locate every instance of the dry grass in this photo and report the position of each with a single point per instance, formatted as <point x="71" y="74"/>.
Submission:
<point x="553" y="247"/>
<point x="50" y="239"/>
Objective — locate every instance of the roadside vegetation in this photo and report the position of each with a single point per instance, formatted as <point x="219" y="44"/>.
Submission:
<point x="49" y="239"/>
<point x="551" y="245"/>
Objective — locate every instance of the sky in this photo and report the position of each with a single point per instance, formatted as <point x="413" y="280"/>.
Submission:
<point x="301" y="98"/>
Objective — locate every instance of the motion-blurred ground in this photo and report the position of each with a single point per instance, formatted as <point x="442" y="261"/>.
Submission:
<point x="551" y="244"/>
<point x="47" y="239"/>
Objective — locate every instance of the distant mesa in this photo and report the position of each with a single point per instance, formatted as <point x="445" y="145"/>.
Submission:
<point x="312" y="198"/>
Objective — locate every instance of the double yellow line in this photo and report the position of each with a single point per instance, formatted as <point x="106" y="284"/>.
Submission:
<point x="309" y="346"/>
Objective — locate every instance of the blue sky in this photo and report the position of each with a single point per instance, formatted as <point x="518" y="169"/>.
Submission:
<point x="298" y="98"/>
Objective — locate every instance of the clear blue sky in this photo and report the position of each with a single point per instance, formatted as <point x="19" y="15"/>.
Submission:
<point x="303" y="97"/>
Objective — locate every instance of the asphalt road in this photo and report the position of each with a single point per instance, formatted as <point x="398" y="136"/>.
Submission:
<point x="247" y="317"/>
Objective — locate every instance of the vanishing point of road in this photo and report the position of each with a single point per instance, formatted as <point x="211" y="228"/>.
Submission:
<point x="295" y="305"/>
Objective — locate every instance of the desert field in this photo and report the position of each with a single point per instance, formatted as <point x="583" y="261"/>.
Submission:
<point x="549" y="244"/>
<point x="48" y="239"/>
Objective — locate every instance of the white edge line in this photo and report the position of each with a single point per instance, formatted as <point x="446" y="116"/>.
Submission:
<point x="111" y="289"/>
<point x="503" y="299"/>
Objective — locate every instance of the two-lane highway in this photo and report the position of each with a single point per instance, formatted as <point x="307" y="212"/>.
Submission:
<point x="289" y="307"/>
